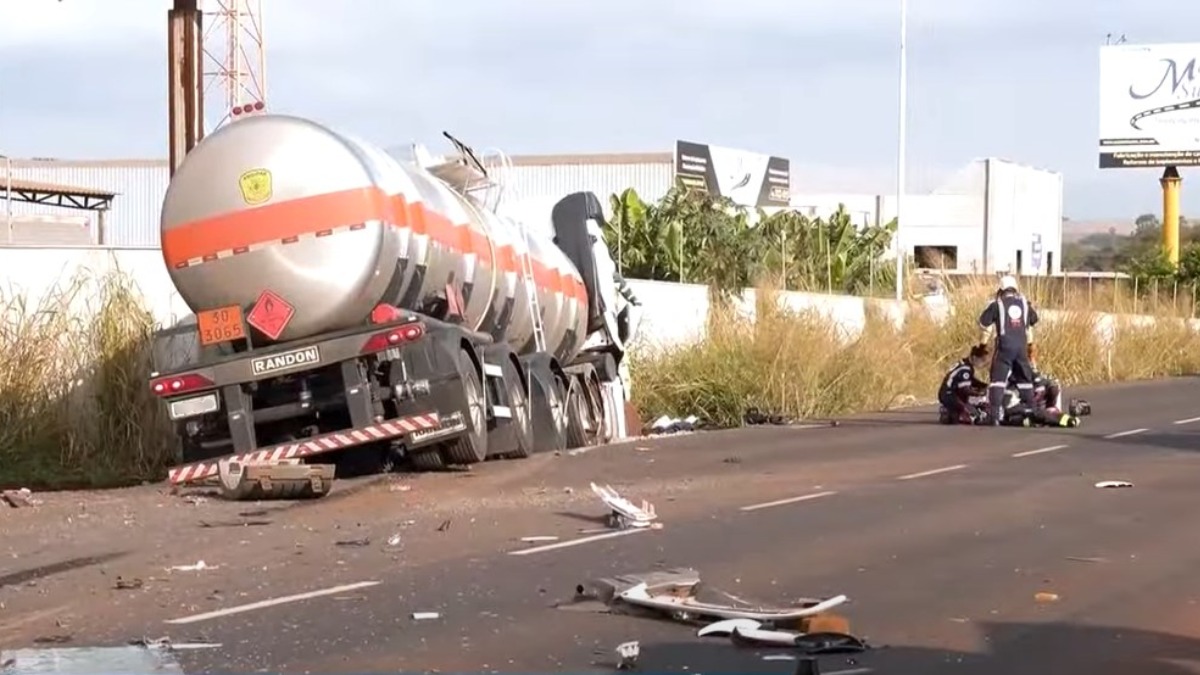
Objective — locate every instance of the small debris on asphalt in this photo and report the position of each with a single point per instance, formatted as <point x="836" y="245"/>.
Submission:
<point x="195" y="499"/>
<point x="166" y="643"/>
<point x="425" y="616"/>
<point x="60" y="639"/>
<point x="623" y="513"/>
<point x="128" y="584"/>
<point x="755" y="417"/>
<point x="400" y="488"/>
<point x="627" y="654"/>
<point x="394" y="540"/>
<point x="444" y="527"/>
<point x="541" y="537"/>
<point x="732" y="460"/>
<point x="778" y="657"/>
<point x="642" y="448"/>
<point x="199" y="565"/>
<point x="1114" y="484"/>
<point x="1046" y="597"/>
<point x="234" y="523"/>
<point x="364" y="541"/>
<point x="1074" y="558"/>
<point x="19" y="498"/>
<point x="672" y="425"/>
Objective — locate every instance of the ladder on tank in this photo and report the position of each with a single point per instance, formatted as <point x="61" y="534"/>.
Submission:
<point x="531" y="290"/>
<point x="492" y="201"/>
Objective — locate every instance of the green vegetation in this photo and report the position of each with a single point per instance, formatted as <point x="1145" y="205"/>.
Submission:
<point x="693" y="237"/>
<point x="800" y="365"/>
<point x="1138" y="254"/>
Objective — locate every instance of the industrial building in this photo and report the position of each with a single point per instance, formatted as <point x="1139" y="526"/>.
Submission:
<point x="993" y="215"/>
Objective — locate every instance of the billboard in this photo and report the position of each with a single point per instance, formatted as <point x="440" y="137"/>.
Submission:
<point x="1149" y="106"/>
<point x="747" y="178"/>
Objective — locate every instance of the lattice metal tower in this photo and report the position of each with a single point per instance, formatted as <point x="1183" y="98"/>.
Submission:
<point x="234" y="60"/>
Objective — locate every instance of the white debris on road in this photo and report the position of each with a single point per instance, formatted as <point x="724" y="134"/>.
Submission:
<point x="624" y="513"/>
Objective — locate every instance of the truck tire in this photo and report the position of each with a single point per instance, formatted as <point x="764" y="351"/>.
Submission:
<point x="520" y="427"/>
<point x="427" y="459"/>
<point x="546" y="408"/>
<point x="576" y="419"/>
<point x="471" y="447"/>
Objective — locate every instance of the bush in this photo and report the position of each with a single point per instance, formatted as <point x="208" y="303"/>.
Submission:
<point x="797" y="365"/>
<point x="75" y="408"/>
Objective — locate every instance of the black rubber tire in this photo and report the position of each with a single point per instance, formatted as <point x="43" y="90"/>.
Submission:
<point x="428" y="459"/>
<point x="471" y="447"/>
<point x="547" y="393"/>
<point x="521" y="424"/>
<point x="576" y="419"/>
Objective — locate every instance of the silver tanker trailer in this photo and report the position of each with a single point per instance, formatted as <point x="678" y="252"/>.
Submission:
<point x="352" y="305"/>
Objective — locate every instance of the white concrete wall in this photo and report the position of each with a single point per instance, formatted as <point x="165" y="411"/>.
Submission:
<point x="1024" y="209"/>
<point x="675" y="313"/>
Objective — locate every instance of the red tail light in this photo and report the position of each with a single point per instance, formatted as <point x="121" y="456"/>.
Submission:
<point x="385" y="313"/>
<point x="393" y="337"/>
<point x="180" y="384"/>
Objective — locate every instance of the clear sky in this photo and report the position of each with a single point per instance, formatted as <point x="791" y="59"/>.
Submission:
<point x="812" y="80"/>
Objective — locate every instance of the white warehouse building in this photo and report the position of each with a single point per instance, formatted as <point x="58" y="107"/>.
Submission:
<point x="991" y="216"/>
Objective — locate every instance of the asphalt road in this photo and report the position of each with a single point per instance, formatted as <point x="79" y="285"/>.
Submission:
<point x="941" y="537"/>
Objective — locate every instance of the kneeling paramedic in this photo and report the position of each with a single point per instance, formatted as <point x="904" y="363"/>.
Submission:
<point x="1013" y="318"/>
<point x="959" y="385"/>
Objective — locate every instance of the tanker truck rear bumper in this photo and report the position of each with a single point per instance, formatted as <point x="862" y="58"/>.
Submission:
<point x="377" y="385"/>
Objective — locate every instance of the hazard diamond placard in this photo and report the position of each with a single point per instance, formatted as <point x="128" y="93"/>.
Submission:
<point x="270" y="314"/>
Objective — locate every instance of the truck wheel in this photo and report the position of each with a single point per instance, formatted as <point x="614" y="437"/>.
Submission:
<point x="546" y="408"/>
<point x="471" y="447"/>
<point x="429" y="459"/>
<point x="576" y="419"/>
<point x="521" y="424"/>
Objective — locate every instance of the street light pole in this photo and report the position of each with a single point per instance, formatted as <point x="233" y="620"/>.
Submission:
<point x="901" y="148"/>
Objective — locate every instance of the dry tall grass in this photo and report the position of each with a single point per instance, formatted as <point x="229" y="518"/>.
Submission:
<point x="75" y="409"/>
<point x="796" y="364"/>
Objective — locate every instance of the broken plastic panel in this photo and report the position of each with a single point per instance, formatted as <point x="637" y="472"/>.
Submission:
<point x="624" y="513"/>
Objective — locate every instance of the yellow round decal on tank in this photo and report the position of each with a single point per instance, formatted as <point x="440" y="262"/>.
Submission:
<point x="256" y="186"/>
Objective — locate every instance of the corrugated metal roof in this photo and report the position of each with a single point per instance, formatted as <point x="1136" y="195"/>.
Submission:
<point x="139" y="186"/>
<point x="20" y="185"/>
<point x="536" y="181"/>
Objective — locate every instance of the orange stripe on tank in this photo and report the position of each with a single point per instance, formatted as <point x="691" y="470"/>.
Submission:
<point x="282" y="220"/>
<point x="317" y="215"/>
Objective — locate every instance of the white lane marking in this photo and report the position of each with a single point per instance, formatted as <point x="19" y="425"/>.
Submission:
<point x="932" y="472"/>
<point x="1039" y="451"/>
<point x="789" y="500"/>
<point x="1187" y="421"/>
<point x="1130" y="432"/>
<point x="262" y="604"/>
<point x="579" y="541"/>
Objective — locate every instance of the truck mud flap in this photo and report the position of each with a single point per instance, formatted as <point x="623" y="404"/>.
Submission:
<point x="413" y="430"/>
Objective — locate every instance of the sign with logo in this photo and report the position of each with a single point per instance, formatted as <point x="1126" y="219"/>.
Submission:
<point x="746" y="178"/>
<point x="256" y="188"/>
<point x="285" y="361"/>
<point x="1035" y="251"/>
<point x="1149" y="106"/>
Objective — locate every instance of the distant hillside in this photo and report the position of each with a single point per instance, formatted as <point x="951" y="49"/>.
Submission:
<point x="1074" y="230"/>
